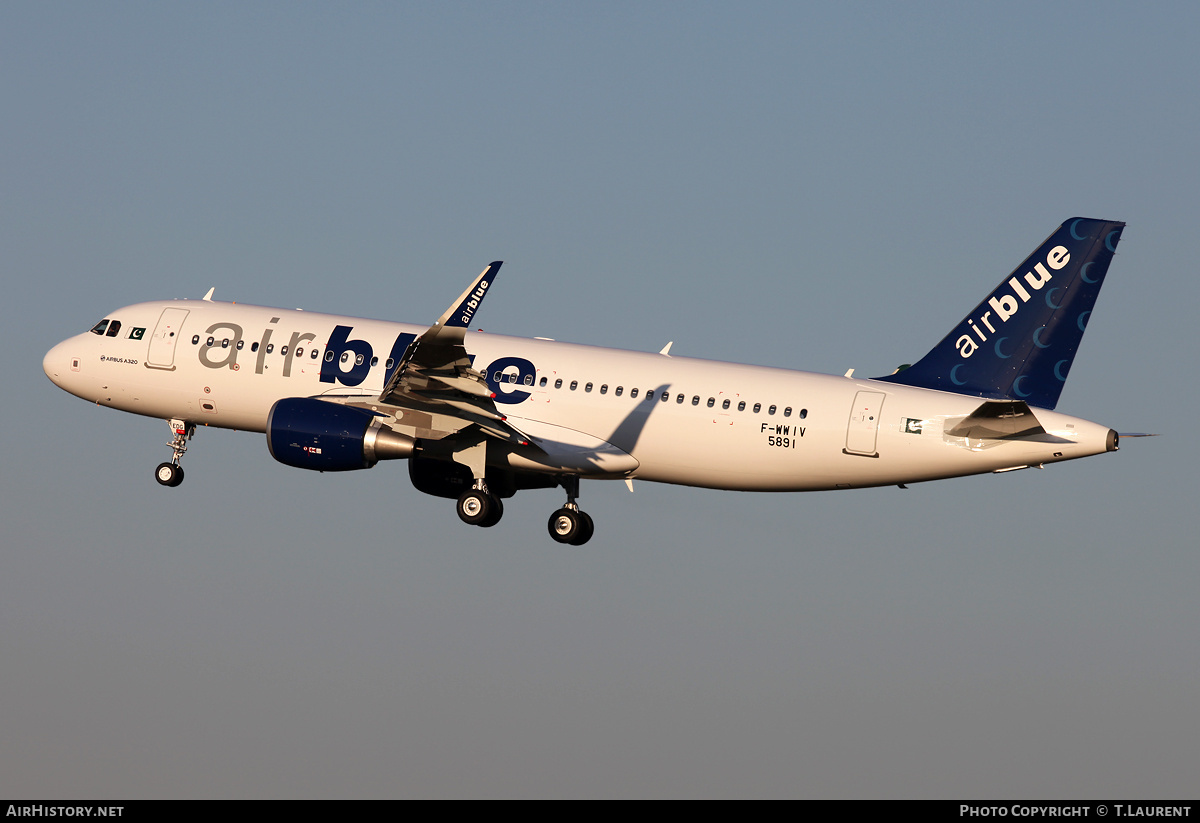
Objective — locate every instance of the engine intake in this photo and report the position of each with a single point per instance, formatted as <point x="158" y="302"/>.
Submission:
<point x="329" y="437"/>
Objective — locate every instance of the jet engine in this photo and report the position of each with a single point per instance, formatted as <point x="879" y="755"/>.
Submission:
<point x="330" y="437"/>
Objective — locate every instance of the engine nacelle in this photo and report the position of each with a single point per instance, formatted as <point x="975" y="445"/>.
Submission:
<point x="330" y="437"/>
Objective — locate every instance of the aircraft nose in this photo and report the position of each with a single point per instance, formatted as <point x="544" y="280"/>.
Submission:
<point x="56" y="363"/>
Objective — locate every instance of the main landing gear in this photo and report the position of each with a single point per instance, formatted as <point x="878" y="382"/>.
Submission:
<point x="570" y="524"/>
<point x="479" y="507"/>
<point x="171" y="474"/>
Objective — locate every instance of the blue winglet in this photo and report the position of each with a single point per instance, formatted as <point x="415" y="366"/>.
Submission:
<point x="1018" y="344"/>
<point x="459" y="316"/>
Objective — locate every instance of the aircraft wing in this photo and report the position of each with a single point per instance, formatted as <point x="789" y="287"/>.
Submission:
<point x="435" y="372"/>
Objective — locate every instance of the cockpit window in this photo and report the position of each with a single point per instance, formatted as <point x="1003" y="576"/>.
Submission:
<point x="100" y="327"/>
<point x="113" y="328"/>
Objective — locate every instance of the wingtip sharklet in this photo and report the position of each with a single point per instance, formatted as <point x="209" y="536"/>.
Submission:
<point x="460" y="314"/>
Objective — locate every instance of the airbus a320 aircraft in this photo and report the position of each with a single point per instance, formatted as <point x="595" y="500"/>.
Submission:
<point x="480" y="417"/>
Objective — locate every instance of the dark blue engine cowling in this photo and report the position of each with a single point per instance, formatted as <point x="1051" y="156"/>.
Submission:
<point x="329" y="437"/>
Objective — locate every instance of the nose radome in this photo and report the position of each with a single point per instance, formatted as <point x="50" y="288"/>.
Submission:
<point x="55" y="364"/>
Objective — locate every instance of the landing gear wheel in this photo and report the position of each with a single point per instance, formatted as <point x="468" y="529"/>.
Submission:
<point x="168" y="474"/>
<point x="563" y="525"/>
<point x="497" y="512"/>
<point x="475" y="507"/>
<point x="586" y="529"/>
<point x="571" y="526"/>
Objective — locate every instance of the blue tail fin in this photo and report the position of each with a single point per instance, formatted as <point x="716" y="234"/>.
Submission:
<point x="1019" y="342"/>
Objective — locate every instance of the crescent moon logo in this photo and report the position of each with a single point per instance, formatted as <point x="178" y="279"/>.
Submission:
<point x="1050" y="297"/>
<point x="1083" y="320"/>
<point x="1075" y="223"/>
<point x="1109" y="243"/>
<point x="1037" y="335"/>
<point x="1061" y="377"/>
<point x="999" y="353"/>
<point x="954" y="375"/>
<point x="1083" y="272"/>
<point x="1017" y="386"/>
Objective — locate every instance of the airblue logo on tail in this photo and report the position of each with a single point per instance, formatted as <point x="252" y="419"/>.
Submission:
<point x="1019" y="343"/>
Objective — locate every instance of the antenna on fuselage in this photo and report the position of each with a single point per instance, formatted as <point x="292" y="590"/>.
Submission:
<point x="208" y="296"/>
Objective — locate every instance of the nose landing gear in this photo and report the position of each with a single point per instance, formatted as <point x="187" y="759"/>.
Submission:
<point x="171" y="474"/>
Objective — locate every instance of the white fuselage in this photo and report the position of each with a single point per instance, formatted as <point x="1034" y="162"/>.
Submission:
<point x="722" y="425"/>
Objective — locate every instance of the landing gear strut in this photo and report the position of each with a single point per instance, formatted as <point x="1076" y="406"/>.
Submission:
<point x="171" y="474"/>
<point x="570" y="524"/>
<point x="479" y="507"/>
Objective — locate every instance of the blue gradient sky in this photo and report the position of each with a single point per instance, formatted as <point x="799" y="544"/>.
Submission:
<point x="817" y="186"/>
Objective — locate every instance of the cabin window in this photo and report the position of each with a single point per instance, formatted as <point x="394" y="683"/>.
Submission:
<point x="254" y="346"/>
<point x="225" y="343"/>
<point x="113" y="328"/>
<point x="270" y="346"/>
<point x="299" y="352"/>
<point x="588" y="387"/>
<point x="679" y="398"/>
<point x="100" y="327"/>
<point x="313" y="356"/>
<point x="358" y="360"/>
<point x="558" y="383"/>
<point x="387" y="364"/>
<point x="712" y="401"/>
<point x="512" y="378"/>
<point x="619" y="390"/>
<point x="283" y="350"/>
<point x="695" y="400"/>
<point x="329" y="356"/>
<point x="345" y="354"/>
<point x="574" y="385"/>
<point x="529" y="380"/>
<point x="757" y="408"/>
<point x="803" y="414"/>
<point x="787" y="412"/>
<point x="240" y="344"/>
<point x="725" y="403"/>
<point x="195" y="339"/>
<point x="665" y="396"/>
<point x="741" y="405"/>
<point x="632" y="392"/>
<point x="771" y="410"/>
<point x="209" y="342"/>
<point x="604" y="389"/>
<point x="542" y="383"/>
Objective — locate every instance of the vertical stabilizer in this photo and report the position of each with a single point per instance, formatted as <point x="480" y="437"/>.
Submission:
<point x="1018" y="344"/>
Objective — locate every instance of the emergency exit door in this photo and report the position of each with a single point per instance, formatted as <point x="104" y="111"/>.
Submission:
<point x="862" y="430"/>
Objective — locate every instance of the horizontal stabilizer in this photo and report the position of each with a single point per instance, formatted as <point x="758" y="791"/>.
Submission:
<point x="997" y="420"/>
